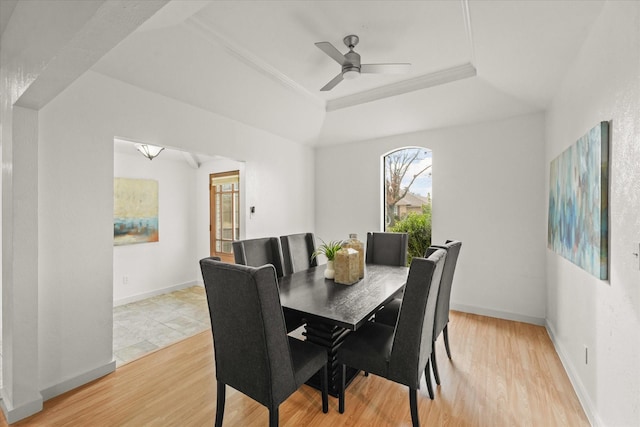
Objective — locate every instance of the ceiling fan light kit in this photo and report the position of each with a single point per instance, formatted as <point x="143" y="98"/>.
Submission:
<point x="350" y="74"/>
<point x="350" y="62"/>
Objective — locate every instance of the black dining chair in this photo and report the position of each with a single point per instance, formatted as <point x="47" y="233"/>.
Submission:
<point x="261" y="251"/>
<point x="258" y="252"/>
<point x="400" y="353"/>
<point x="297" y="250"/>
<point x="387" y="248"/>
<point x="389" y="313"/>
<point x="252" y="351"/>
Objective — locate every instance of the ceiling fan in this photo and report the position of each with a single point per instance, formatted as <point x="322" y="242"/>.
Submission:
<point x="350" y="62"/>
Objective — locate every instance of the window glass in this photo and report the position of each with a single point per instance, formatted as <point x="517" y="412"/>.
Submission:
<point x="407" y="196"/>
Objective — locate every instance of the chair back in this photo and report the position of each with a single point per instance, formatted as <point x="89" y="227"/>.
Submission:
<point x="387" y="248"/>
<point x="258" y="252"/>
<point x="250" y="341"/>
<point x="296" y="252"/>
<point x="412" y="342"/>
<point x="444" y="294"/>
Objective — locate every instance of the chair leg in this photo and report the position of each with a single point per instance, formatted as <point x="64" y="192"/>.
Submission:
<point x="273" y="417"/>
<point x="434" y="364"/>
<point x="427" y="378"/>
<point x="343" y="374"/>
<point x="413" y="403"/>
<point x="445" y="332"/>
<point x="325" y="389"/>
<point x="220" y="404"/>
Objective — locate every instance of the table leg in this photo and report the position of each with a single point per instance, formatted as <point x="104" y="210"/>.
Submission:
<point x="330" y="337"/>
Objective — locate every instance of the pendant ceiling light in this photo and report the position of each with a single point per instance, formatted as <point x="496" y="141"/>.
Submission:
<point x="149" y="151"/>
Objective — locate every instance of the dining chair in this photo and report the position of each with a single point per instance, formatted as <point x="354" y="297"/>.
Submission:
<point x="387" y="248"/>
<point x="389" y="313"/>
<point x="252" y="351"/>
<point x="261" y="251"/>
<point x="297" y="250"/>
<point x="401" y="353"/>
<point x="258" y="252"/>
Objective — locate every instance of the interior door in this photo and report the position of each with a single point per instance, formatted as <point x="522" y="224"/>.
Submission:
<point x="224" y="225"/>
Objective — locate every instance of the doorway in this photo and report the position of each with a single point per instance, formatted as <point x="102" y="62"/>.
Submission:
<point x="224" y="213"/>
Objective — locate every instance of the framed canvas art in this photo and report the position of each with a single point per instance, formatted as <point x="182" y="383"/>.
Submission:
<point x="135" y="211"/>
<point x="578" y="202"/>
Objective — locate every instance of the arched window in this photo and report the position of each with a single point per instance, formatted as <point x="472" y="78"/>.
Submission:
<point x="407" y="196"/>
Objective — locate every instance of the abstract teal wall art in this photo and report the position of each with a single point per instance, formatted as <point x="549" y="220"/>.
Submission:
<point x="578" y="202"/>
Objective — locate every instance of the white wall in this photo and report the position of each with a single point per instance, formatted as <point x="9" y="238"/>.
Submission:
<point x="488" y="192"/>
<point x="37" y="62"/>
<point x="76" y="204"/>
<point x="603" y="84"/>
<point x="153" y="268"/>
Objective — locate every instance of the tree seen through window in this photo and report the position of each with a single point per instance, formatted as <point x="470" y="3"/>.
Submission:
<point x="407" y="181"/>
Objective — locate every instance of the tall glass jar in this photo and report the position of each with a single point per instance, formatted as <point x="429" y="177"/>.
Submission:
<point x="346" y="266"/>
<point x="356" y="244"/>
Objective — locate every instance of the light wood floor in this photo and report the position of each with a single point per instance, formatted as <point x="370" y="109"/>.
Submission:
<point x="502" y="374"/>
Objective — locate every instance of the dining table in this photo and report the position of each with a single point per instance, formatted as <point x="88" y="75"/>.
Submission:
<point x="333" y="310"/>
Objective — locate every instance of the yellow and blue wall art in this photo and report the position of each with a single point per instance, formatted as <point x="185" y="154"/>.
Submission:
<point x="135" y="211"/>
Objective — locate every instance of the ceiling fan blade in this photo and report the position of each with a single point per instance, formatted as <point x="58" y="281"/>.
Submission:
<point x="337" y="79"/>
<point x="385" y="68"/>
<point x="330" y="50"/>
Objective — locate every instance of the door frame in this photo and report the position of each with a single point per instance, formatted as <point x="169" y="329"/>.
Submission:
<point x="227" y="257"/>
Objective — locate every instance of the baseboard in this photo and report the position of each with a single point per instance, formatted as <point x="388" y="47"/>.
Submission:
<point x="498" y="314"/>
<point x="155" y="292"/>
<point x="578" y="387"/>
<point x="78" y="381"/>
<point x="13" y="414"/>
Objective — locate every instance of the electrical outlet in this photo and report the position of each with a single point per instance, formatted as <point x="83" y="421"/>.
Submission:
<point x="125" y="280"/>
<point x="586" y="355"/>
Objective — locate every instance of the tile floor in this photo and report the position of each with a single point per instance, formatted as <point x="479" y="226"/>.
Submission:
<point x="147" y="325"/>
<point x="144" y="326"/>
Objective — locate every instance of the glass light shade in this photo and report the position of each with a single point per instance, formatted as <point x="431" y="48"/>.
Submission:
<point x="351" y="74"/>
<point x="149" y="151"/>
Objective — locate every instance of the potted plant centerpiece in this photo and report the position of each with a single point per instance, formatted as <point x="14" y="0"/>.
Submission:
<point x="329" y="251"/>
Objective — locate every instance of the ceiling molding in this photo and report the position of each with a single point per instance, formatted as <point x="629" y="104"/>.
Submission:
<point x="204" y="29"/>
<point x="466" y="16"/>
<point x="421" y="82"/>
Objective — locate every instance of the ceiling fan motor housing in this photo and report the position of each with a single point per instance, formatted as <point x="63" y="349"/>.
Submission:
<point x="352" y="62"/>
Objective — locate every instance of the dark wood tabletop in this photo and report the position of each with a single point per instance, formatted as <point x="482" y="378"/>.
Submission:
<point x="347" y="306"/>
